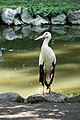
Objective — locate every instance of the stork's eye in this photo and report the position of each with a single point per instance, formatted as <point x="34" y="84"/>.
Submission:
<point x="46" y="33"/>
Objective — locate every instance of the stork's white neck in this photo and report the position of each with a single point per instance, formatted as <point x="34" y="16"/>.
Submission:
<point x="46" y="41"/>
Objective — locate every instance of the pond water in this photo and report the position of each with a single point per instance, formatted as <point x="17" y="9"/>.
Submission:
<point x="19" y="54"/>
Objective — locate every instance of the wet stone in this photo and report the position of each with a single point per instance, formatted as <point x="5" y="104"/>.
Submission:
<point x="74" y="99"/>
<point x="11" y="97"/>
<point x="53" y="97"/>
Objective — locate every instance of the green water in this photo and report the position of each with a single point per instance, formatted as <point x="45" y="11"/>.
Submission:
<point x="19" y="62"/>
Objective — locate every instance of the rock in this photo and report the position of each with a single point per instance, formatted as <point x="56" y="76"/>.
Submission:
<point x="18" y="10"/>
<point x="11" y="97"/>
<point x="35" y="98"/>
<point x="8" y="15"/>
<point x="39" y="21"/>
<point x="0" y="16"/>
<point x="59" y="19"/>
<point x="10" y="34"/>
<point x="74" y="99"/>
<point x="53" y="97"/>
<point x="26" y="16"/>
<point x="17" y="22"/>
<point x="74" y="16"/>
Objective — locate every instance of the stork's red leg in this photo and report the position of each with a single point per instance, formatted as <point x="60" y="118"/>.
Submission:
<point x="43" y="90"/>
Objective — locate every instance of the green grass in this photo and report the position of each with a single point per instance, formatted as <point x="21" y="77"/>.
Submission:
<point x="43" y="7"/>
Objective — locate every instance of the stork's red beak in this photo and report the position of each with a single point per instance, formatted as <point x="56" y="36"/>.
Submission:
<point x="40" y="37"/>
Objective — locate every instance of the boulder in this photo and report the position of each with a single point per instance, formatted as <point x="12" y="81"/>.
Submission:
<point x="26" y="16"/>
<point x="35" y="98"/>
<point x="11" y="97"/>
<point x="18" y="10"/>
<point x="39" y="21"/>
<point x="74" y="99"/>
<point x="8" y="15"/>
<point x="59" y="19"/>
<point x="0" y="16"/>
<point x="73" y="16"/>
<point x="17" y="22"/>
<point x="53" y="97"/>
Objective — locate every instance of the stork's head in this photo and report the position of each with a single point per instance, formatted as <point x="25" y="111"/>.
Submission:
<point x="46" y="35"/>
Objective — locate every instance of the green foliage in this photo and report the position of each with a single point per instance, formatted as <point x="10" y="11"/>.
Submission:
<point x="43" y="7"/>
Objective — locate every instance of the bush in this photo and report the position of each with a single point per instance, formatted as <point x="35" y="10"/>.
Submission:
<point x="43" y="7"/>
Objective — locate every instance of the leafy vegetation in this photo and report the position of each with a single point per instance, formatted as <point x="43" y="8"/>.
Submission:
<point x="43" y="7"/>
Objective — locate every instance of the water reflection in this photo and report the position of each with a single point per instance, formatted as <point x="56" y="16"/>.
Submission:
<point x="1" y="54"/>
<point x="14" y="32"/>
<point x="19" y="59"/>
<point x="10" y="34"/>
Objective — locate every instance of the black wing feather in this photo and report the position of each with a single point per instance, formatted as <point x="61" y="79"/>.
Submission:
<point x="52" y="75"/>
<point x="41" y="75"/>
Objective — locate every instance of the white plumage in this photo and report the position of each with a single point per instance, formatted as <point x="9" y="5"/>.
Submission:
<point x="47" y="61"/>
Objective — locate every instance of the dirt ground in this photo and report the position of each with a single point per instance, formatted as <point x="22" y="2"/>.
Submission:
<point x="40" y="111"/>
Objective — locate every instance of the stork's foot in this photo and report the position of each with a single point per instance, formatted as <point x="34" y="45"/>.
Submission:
<point x="50" y="92"/>
<point x="44" y="93"/>
<point x="47" y="93"/>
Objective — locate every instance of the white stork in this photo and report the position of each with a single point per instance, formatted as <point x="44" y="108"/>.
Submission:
<point x="47" y="61"/>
